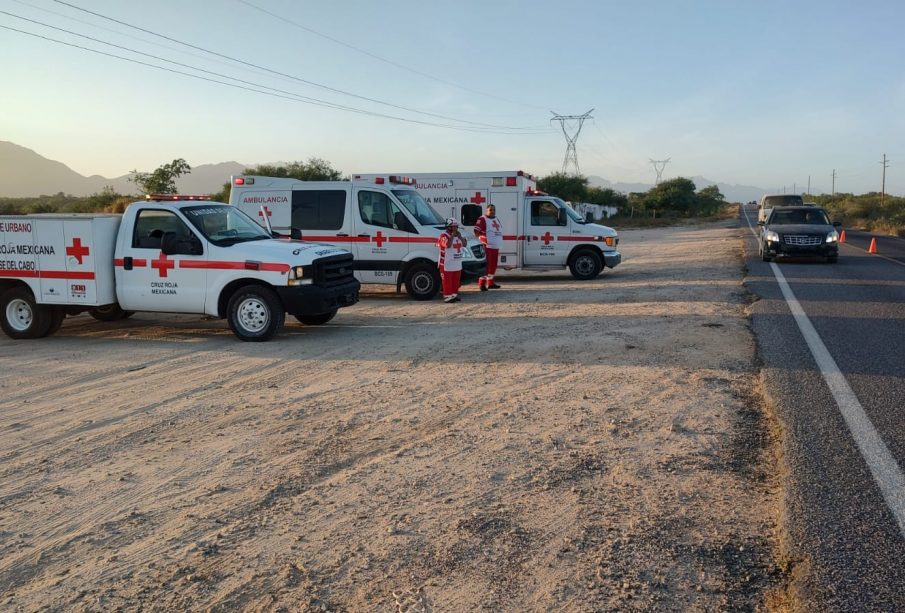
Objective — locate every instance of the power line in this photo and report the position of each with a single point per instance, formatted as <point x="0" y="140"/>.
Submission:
<point x="382" y="59"/>
<point x="274" y="93"/>
<point x="282" y="74"/>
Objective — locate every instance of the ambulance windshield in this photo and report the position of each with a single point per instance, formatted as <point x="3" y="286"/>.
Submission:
<point x="420" y="210"/>
<point x="573" y="215"/>
<point x="224" y="225"/>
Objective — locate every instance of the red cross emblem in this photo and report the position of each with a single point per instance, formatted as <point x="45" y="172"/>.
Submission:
<point x="547" y="238"/>
<point x="261" y="214"/>
<point x="495" y="224"/>
<point x="457" y="245"/>
<point x="77" y="250"/>
<point x="478" y="198"/>
<point x="162" y="264"/>
<point x="380" y="239"/>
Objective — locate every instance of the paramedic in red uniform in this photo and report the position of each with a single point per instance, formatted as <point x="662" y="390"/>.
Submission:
<point x="489" y="231"/>
<point x="452" y="247"/>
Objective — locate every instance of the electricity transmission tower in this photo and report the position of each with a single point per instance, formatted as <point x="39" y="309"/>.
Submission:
<point x="659" y="165"/>
<point x="573" y="123"/>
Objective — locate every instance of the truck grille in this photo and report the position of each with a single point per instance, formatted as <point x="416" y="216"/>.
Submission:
<point x="333" y="270"/>
<point x="478" y="251"/>
<point x="802" y="239"/>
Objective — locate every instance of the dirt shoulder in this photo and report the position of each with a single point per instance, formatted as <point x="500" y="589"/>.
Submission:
<point x="554" y="445"/>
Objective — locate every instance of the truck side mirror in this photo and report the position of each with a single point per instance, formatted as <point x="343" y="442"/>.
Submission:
<point x="837" y="224"/>
<point x="295" y="234"/>
<point x="561" y="217"/>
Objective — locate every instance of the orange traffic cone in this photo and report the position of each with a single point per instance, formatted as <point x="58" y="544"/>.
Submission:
<point x="873" y="246"/>
<point x="842" y="237"/>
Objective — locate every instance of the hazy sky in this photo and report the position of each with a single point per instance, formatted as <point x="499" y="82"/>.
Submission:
<point x="764" y="93"/>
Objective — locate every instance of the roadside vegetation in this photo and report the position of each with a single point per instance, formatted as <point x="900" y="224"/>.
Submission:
<point x="873" y="211"/>
<point x="668" y="203"/>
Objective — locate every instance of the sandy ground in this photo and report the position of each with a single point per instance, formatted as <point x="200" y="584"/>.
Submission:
<point x="552" y="446"/>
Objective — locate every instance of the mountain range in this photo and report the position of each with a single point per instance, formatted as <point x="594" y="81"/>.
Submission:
<point x="24" y="173"/>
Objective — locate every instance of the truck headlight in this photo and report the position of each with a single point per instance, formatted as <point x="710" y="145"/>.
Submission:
<point x="771" y="237"/>
<point x="301" y="275"/>
<point x="832" y="237"/>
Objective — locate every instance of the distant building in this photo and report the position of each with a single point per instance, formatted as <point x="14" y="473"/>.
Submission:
<point x="594" y="212"/>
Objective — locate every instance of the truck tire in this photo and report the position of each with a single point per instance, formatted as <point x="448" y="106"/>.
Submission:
<point x="110" y="312"/>
<point x="255" y="314"/>
<point x="422" y="282"/>
<point x="316" y="320"/>
<point x="585" y="265"/>
<point x="22" y="317"/>
<point x="57" y="314"/>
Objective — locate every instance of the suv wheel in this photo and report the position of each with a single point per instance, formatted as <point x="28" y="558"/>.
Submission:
<point x="422" y="281"/>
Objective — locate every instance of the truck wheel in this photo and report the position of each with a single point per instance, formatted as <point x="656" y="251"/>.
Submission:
<point x="255" y="314"/>
<point x="57" y="314"/>
<point x="110" y="312"/>
<point x="316" y="320"/>
<point x="586" y="265"/>
<point x="422" y="281"/>
<point x="22" y="316"/>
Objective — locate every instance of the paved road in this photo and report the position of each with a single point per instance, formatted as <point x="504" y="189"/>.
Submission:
<point x="845" y="495"/>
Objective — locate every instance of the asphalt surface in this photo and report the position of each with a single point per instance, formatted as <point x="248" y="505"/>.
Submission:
<point x="841" y="534"/>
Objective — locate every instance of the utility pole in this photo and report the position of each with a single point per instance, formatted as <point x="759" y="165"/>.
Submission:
<point x="659" y="165"/>
<point x="571" y="153"/>
<point x="834" y="183"/>
<point x="885" y="163"/>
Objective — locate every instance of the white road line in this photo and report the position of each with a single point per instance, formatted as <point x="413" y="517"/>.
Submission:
<point x="886" y="472"/>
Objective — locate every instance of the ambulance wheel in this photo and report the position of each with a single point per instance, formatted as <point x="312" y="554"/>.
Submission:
<point x="110" y="312"/>
<point x="585" y="265"/>
<point x="255" y="314"/>
<point x="22" y="316"/>
<point x="422" y="281"/>
<point x="57" y="314"/>
<point x="316" y="320"/>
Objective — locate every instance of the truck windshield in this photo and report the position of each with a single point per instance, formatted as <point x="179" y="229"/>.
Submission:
<point x="420" y="210"/>
<point x="570" y="211"/>
<point x="224" y="225"/>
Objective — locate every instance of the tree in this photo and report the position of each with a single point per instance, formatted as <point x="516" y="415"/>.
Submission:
<point x="315" y="169"/>
<point x="710" y="199"/>
<point x="672" y="195"/>
<point x="567" y="187"/>
<point x="606" y="197"/>
<point x="162" y="180"/>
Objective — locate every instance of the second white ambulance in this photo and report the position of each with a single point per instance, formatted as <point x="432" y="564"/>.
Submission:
<point x="389" y="228"/>
<point x="541" y="232"/>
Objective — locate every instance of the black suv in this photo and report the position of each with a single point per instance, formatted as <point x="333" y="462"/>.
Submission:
<point x="799" y="231"/>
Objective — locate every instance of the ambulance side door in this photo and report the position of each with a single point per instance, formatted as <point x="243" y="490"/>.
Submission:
<point x="543" y="222"/>
<point x="506" y="204"/>
<point x="148" y="279"/>
<point x="383" y="235"/>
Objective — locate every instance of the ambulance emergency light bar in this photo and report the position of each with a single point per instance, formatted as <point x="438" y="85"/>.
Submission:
<point x="174" y="197"/>
<point x="243" y="181"/>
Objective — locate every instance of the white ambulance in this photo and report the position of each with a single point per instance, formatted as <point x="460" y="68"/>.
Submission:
<point x="173" y="254"/>
<point x="541" y="232"/>
<point x="385" y="223"/>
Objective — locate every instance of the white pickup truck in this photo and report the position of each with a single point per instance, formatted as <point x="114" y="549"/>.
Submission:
<point x="174" y="254"/>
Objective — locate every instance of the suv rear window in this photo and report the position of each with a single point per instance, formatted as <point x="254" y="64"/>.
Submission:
<point x="771" y="201"/>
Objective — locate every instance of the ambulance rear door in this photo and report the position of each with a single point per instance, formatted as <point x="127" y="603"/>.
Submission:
<point x="506" y="203"/>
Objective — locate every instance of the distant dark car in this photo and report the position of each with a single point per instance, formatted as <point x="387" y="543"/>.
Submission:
<point x="799" y="231"/>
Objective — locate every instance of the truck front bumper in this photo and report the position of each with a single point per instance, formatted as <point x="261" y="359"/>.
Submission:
<point x="316" y="300"/>
<point x="611" y="259"/>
